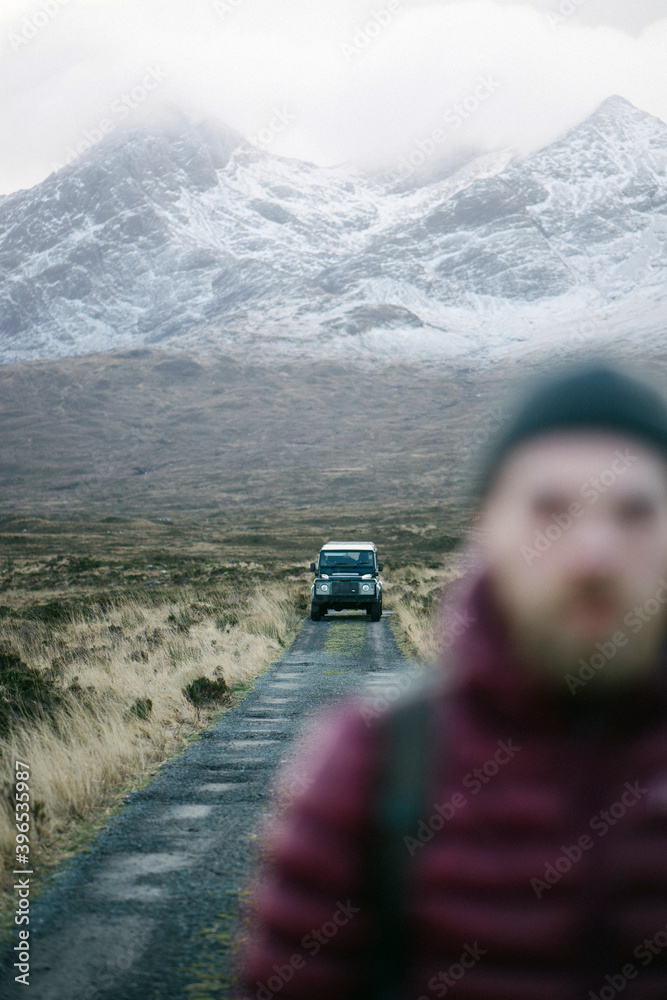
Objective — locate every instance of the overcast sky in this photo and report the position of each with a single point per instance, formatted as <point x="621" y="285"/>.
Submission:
<point x="324" y="80"/>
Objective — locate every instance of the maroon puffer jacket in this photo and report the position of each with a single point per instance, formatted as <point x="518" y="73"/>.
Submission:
<point x="539" y="871"/>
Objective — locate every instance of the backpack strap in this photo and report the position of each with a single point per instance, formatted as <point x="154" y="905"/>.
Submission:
<point x="408" y="741"/>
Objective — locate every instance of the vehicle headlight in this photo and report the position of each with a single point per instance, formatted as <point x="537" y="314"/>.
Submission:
<point x="322" y="588"/>
<point x="367" y="588"/>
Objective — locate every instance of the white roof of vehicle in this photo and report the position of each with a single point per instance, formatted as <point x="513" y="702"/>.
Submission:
<point x="349" y="545"/>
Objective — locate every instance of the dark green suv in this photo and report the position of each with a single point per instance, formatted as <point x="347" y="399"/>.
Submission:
<point x="346" y="577"/>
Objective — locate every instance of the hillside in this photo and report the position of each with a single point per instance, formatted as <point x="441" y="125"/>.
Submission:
<point x="152" y="431"/>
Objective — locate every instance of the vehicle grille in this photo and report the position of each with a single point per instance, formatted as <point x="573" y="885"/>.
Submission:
<point x="343" y="588"/>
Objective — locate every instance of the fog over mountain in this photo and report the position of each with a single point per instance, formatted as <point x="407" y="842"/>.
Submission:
<point x="187" y="236"/>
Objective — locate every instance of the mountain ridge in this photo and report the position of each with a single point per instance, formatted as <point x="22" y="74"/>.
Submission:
<point x="189" y="237"/>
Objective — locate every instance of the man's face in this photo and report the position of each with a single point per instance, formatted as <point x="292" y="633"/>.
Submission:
<point x="575" y="534"/>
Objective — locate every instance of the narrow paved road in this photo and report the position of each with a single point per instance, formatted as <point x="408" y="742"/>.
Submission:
<point x="149" y="912"/>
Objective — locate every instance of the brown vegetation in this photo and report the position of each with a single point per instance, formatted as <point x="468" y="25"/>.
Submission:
<point x="96" y="694"/>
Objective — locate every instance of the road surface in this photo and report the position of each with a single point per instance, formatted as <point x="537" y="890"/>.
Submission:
<point x="149" y="912"/>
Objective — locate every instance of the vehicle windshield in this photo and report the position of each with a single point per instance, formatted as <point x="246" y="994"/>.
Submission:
<point x="348" y="561"/>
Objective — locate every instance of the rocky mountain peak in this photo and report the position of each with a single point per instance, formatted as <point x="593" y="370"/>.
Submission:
<point x="183" y="234"/>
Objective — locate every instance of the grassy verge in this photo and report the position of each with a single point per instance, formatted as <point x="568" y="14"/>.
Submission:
<point x="97" y="692"/>
<point x="414" y="593"/>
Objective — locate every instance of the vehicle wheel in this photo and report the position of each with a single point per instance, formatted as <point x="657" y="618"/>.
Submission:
<point x="315" y="612"/>
<point x="376" y="610"/>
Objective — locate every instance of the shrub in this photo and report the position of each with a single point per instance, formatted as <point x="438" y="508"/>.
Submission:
<point x="202" y="691"/>
<point x="142" y="708"/>
<point x="53" y="612"/>
<point x="24" y="692"/>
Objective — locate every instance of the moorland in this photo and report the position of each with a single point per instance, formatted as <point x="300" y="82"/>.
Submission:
<point x="157" y="518"/>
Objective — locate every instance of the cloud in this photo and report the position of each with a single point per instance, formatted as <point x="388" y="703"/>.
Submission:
<point x="359" y="81"/>
<point x="630" y="17"/>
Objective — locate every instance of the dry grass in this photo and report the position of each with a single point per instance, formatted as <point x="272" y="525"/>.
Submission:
<point x="414" y="593"/>
<point x="118" y="674"/>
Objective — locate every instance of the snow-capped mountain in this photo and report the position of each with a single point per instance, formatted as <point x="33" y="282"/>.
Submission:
<point x="191" y="237"/>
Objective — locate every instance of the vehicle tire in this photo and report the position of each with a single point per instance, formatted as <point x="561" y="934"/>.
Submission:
<point x="315" y="611"/>
<point x="376" y="610"/>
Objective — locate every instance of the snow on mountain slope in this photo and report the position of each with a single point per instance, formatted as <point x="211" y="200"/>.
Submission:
<point x="189" y="237"/>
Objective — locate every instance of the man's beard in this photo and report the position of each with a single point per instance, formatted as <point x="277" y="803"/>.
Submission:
<point x="585" y="630"/>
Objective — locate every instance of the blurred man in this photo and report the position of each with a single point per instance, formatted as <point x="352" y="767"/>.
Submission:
<point x="503" y="836"/>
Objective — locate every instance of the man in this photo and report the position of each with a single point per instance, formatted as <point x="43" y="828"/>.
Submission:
<point x="536" y="868"/>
